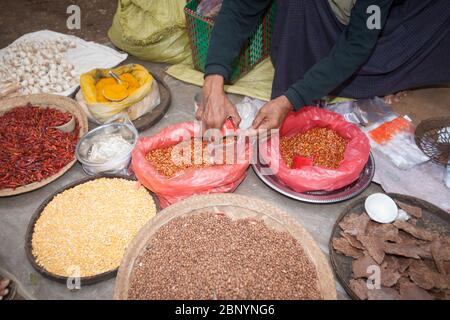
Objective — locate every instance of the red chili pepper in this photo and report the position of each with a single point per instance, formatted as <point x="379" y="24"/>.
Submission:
<point x="30" y="150"/>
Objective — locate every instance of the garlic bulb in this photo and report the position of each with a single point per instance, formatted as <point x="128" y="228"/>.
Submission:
<point x="39" y="66"/>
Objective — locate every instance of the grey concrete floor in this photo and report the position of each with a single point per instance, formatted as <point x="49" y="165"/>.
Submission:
<point x="15" y="212"/>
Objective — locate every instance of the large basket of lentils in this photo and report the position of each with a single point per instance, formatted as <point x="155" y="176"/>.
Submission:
<point x="225" y="247"/>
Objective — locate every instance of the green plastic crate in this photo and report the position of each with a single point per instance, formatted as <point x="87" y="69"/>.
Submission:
<point x="255" y="50"/>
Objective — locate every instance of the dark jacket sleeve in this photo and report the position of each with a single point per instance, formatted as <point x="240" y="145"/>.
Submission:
<point x="353" y="48"/>
<point x="233" y="26"/>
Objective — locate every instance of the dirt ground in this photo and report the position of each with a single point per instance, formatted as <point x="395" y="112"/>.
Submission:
<point x="18" y="17"/>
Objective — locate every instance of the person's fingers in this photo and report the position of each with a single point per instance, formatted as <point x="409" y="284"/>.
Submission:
<point x="4" y="293"/>
<point x="199" y="113"/>
<point x="204" y="120"/>
<point x="270" y="123"/>
<point x="211" y="121"/>
<point x="4" y="283"/>
<point x="235" y="118"/>
<point x="260" y="117"/>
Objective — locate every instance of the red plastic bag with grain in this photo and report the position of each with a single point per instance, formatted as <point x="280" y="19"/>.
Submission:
<point x="314" y="178"/>
<point x="192" y="181"/>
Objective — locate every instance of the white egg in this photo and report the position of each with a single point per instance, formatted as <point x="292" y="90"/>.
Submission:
<point x="381" y="208"/>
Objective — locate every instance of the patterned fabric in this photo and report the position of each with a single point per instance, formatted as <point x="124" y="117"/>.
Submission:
<point x="413" y="49"/>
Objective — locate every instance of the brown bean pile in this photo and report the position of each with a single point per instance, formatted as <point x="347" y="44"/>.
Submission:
<point x="210" y="256"/>
<point x="324" y="145"/>
<point x="163" y="159"/>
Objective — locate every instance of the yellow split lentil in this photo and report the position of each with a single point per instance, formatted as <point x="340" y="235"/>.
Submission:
<point x="88" y="227"/>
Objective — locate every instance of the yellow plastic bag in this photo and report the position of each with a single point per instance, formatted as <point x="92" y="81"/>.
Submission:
<point x="153" y="30"/>
<point x="103" y="110"/>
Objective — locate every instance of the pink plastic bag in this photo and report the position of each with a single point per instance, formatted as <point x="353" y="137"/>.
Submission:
<point x="313" y="178"/>
<point x="214" y="179"/>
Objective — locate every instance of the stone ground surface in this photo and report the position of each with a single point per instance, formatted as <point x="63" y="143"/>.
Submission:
<point x="22" y="16"/>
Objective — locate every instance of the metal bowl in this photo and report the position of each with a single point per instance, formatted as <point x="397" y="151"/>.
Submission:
<point x="321" y="197"/>
<point x="116" y="165"/>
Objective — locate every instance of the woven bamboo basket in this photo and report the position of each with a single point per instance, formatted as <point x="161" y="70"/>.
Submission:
<point x="45" y="100"/>
<point x="236" y="207"/>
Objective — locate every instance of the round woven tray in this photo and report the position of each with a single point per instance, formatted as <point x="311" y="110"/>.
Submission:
<point x="147" y="120"/>
<point x="45" y="100"/>
<point x="236" y="207"/>
<point x="37" y="214"/>
<point x="433" y="218"/>
<point x="427" y="136"/>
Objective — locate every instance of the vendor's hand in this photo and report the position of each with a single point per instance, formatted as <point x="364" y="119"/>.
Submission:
<point x="216" y="108"/>
<point x="4" y="283"/>
<point x="272" y="114"/>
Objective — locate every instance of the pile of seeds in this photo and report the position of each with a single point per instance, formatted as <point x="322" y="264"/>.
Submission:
<point x="31" y="150"/>
<point x="323" y="145"/>
<point x="88" y="227"/>
<point x="187" y="154"/>
<point x="210" y="256"/>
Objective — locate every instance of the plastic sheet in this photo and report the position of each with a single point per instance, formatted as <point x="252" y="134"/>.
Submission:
<point x="213" y="179"/>
<point x="389" y="133"/>
<point x="395" y="139"/>
<point x="312" y="178"/>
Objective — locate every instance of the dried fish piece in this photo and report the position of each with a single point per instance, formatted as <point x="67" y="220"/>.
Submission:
<point x="426" y="278"/>
<point x="406" y="238"/>
<point x="389" y="273"/>
<point x="355" y="224"/>
<point x="408" y="250"/>
<point x="403" y="264"/>
<point x="440" y="251"/>
<point x="352" y="240"/>
<point x="417" y="232"/>
<point x="411" y="291"/>
<point x="374" y="246"/>
<point x="360" y="266"/>
<point x="343" y="246"/>
<point x="387" y="232"/>
<point x="359" y="287"/>
<point x="413" y="211"/>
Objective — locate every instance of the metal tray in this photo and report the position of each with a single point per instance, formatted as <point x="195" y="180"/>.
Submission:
<point x="30" y="230"/>
<point x="433" y="218"/>
<point x="322" y="197"/>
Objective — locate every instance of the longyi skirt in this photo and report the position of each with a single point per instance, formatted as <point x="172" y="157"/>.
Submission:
<point x="413" y="49"/>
